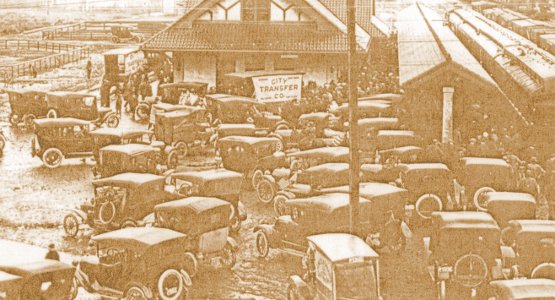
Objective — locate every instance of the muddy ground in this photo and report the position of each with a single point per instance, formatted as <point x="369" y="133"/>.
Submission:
<point x="34" y="200"/>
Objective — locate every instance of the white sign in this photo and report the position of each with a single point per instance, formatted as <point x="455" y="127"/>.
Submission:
<point x="278" y="87"/>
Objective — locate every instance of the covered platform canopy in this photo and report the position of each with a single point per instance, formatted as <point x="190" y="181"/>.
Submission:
<point x="433" y="61"/>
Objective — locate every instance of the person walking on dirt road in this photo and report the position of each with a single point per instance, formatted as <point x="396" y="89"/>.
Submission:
<point x="52" y="253"/>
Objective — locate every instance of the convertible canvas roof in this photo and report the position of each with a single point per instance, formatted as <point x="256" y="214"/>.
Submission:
<point x="69" y="94"/>
<point x="339" y="247"/>
<point x="60" y="122"/>
<point x="24" y="91"/>
<point x="369" y="190"/>
<point x="510" y="196"/>
<point x="424" y="166"/>
<point x="464" y="220"/>
<point x="120" y="132"/>
<point x="328" y="202"/>
<point x="530" y="226"/>
<point x="208" y="175"/>
<point x="323" y="153"/>
<point x="517" y="289"/>
<point x="37" y="267"/>
<point x="485" y="161"/>
<point x="130" y="149"/>
<point x="138" y="239"/>
<point x="249" y="140"/>
<point x="369" y="122"/>
<point x="231" y="98"/>
<point x="184" y="84"/>
<point x="196" y="205"/>
<point x="396" y="133"/>
<point x="128" y="179"/>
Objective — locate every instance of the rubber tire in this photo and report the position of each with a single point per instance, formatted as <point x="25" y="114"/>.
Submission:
<point x="262" y="237"/>
<point x="234" y="221"/>
<point x="137" y="292"/>
<point x="424" y="197"/>
<point x="142" y="112"/>
<point x="182" y="147"/>
<point x="280" y="145"/>
<point x="475" y="198"/>
<point x="54" y="151"/>
<point x="231" y="254"/>
<point x="173" y="160"/>
<point x="544" y="270"/>
<point x="128" y="224"/>
<point x="484" y="265"/>
<point x="258" y="173"/>
<point x="14" y="120"/>
<point x="69" y="233"/>
<point x="265" y="183"/>
<point x="280" y="208"/>
<point x="112" y="121"/>
<point x="52" y="114"/>
<point x="194" y="264"/>
<point x="101" y="209"/>
<point x="160" y="285"/>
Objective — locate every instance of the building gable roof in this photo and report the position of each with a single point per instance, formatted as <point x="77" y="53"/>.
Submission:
<point x="185" y="34"/>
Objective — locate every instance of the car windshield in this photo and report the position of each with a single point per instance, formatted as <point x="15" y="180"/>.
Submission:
<point x="355" y="281"/>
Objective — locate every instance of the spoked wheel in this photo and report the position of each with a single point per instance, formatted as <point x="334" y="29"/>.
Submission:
<point x="135" y="293"/>
<point x="262" y="244"/>
<point x="257" y="176"/>
<point x="229" y="257"/>
<point x="52" y="158"/>
<point x="280" y="206"/>
<point x="112" y="121"/>
<point x="234" y="221"/>
<point x="107" y="212"/>
<point x="172" y="160"/>
<point x="265" y="191"/>
<point x="71" y="225"/>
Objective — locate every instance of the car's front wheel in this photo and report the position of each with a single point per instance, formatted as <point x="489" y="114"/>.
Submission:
<point x="265" y="191"/>
<point x="71" y="225"/>
<point x="280" y="205"/>
<point x="112" y="121"/>
<point x="142" y="112"/>
<point x="135" y="293"/>
<point x="170" y="285"/>
<point x="52" y="158"/>
<point x="229" y="257"/>
<point x="262" y="244"/>
<point x="480" y="198"/>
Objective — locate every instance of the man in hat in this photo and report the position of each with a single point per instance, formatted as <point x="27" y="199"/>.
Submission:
<point x="52" y="253"/>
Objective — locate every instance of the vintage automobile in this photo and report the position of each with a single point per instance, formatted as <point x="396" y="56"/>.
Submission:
<point x="366" y="109"/>
<point x="10" y="286"/>
<point x="390" y="139"/>
<point x="391" y="97"/>
<point x="39" y="280"/>
<point x="529" y="245"/>
<point x="522" y="289"/>
<point x="318" y="156"/>
<point x="386" y="173"/>
<point x="26" y="105"/>
<point x="56" y="139"/>
<point x="103" y="137"/>
<point x="282" y="185"/>
<point x="120" y="64"/>
<point x="219" y="183"/>
<point x="119" y="201"/>
<point x="464" y="253"/>
<point x="483" y="175"/>
<point x="81" y="106"/>
<point x="205" y="221"/>
<point x="117" y="159"/>
<point x="251" y="156"/>
<point x="405" y="154"/>
<point x="350" y="271"/>
<point x="327" y="213"/>
<point x="507" y="206"/>
<point x="181" y="130"/>
<point x="168" y="98"/>
<point x="309" y="133"/>
<point x="136" y="263"/>
<point x="430" y="186"/>
<point x="232" y="109"/>
<point x="123" y="34"/>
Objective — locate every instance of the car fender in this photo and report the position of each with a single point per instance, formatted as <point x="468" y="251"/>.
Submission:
<point x="300" y="285"/>
<point x="79" y="214"/>
<point x="273" y="237"/>
<point x="232" y="243"/>
<point x="287" y="194"/>
<point x="508" y="256"/>
<point x="108" y="114"/>
<point x="146" y="290"/>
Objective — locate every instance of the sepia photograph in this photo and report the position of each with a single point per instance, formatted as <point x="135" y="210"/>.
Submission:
<point x="277" y="149"/>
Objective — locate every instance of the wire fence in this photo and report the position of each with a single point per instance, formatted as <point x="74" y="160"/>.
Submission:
<point x="10" y="73"/>
<point x="37" y="45"/>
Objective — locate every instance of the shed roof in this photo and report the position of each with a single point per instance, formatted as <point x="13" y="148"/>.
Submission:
<point x="426" y="45"/>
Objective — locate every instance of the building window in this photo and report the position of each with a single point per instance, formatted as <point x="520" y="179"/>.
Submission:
<point x="225" y="10"/>
<point x="285" y="63"/>
<point x="255" y="10"/>
<point x="282" y="11"/>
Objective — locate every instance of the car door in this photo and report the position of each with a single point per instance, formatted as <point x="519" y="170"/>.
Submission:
<point x="81" y="140"/>
<point x="86" y="107"/>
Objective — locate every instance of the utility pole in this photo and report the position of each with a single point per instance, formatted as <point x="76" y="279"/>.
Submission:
<point x="354" y="138"/>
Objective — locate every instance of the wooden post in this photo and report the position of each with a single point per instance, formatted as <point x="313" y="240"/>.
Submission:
<point x="447" y="130"/>
<point x="354" y="160"/>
